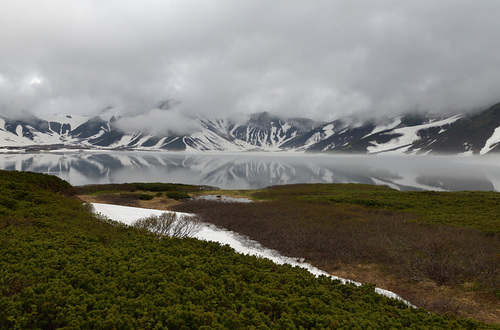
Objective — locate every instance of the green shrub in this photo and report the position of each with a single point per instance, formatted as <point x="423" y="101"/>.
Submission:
<point x="63" y="267"/>
<point x="144" y="197"/>
<point x="177" y="195"/>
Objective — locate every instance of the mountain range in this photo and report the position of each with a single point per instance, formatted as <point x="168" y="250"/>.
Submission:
<point x="476" y="133"/>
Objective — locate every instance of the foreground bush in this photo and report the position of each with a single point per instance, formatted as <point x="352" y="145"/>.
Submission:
<point x="61" y="266"/>
<point x="169" y="224"/>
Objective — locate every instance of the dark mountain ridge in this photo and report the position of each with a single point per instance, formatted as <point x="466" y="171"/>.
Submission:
<point x="415" y="133"/>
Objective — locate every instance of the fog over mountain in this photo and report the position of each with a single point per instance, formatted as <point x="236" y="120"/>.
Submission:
<point x="321" y="60"/>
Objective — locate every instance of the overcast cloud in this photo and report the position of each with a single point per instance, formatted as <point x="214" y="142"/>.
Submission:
<point x="318" y="59"/>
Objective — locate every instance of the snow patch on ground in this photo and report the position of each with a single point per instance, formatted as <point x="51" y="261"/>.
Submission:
<point x="238" y="242"/>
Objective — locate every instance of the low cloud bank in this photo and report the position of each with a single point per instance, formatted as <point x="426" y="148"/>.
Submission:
<point x="159" y="122"/>
<point x="321" y="60"/>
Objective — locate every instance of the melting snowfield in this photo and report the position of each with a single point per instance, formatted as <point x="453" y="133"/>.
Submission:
<point x="238" y="242"/>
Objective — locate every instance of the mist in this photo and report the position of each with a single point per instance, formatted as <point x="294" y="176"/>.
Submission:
<point x="259" y="170"/>
<point x="322" y="59"/>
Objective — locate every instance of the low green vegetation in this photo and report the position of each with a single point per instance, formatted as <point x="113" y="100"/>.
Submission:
<point x="177" y="195"/>
<point x="471" y="209"/>
<point x="97" y="189"/>
<point x="129" y="193"/>
<point x="63" y="267"/>
<point x="447" y="239"/>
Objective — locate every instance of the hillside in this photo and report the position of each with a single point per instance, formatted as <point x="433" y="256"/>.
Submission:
<point x="415" y="133"/>
<point x="61" y="266"/>
<point x="435" y="249"/>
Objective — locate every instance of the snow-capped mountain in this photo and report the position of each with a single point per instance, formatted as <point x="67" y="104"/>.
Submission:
<point x="477" y="133"/>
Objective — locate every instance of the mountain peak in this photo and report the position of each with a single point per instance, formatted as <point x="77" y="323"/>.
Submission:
<point x="412" y="133"/>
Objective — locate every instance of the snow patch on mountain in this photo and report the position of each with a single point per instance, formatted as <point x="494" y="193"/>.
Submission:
<point x="394" y="123"/>
<point x="413" y="133"/>
<point x="492" y="142"/>
<point x="404" y="137"/>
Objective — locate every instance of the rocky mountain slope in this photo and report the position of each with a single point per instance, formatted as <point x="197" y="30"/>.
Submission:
<point x="477" y="133"/>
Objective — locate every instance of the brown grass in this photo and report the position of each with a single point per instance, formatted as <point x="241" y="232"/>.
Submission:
<point x="160" y="203"/>
<point x="443" y="269"/>
<point x="459" y="299"/>
<point x="440" y="268"/>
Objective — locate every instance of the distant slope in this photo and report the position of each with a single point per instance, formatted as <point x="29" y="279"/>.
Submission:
<point x="477" y="134"/>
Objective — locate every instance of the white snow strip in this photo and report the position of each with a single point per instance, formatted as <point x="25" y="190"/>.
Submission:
<point x="381" y="128"/>
<point x="408" y="136"/>
<point x="494" y="139"/>
<point x="159" y="143"/>
<point x="328" y="131"/>
<point x="124" y="141"/>
<point x="19" y="131"/>
<point x="238" y="242"/>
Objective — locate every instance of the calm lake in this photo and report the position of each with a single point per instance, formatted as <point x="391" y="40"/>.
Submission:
<point x="257" y="170"/>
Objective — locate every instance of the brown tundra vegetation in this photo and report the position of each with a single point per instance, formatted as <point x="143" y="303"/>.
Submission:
<point x="441" y="251"/>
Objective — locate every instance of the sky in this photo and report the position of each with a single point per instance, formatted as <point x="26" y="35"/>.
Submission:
<point x="321" y="59"/>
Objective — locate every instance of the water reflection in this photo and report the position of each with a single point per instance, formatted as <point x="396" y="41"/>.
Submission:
<point x="257" y="170"/>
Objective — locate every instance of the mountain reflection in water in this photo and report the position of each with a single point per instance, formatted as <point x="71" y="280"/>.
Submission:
<point x="258" y="170"/>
